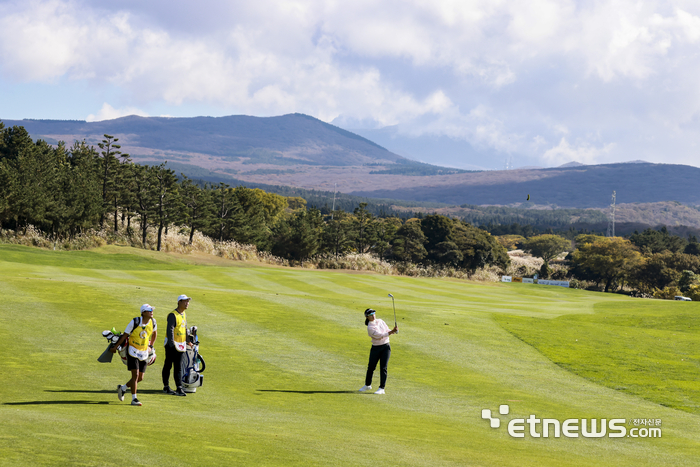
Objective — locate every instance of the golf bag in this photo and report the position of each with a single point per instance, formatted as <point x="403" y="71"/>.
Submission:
<point x="113" y="337"/>
<point x="192" y="364"/>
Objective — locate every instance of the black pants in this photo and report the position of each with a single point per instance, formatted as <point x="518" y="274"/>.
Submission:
<point x="379" y="353"/>
<point x="172" y="358"/>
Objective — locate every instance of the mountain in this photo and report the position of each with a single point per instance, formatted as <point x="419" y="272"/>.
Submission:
<point x="580" y="186"/>
<point x="294" y="139"/>
<point x="303" y="152"/>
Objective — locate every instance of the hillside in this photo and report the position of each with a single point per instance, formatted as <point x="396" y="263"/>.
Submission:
<point x="294" y="139"/>
<point x="303" y="152"/>
<point x="580" y="187"/>
<point x="634" y="216"/>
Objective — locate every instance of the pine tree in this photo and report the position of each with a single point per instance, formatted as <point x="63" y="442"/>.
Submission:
<point x="110" y="177"/>
<point x="166" y="199"/>
<point x="197" y="205"/>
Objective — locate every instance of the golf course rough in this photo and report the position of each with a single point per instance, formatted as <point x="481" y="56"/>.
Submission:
<point x="286" y="351"/>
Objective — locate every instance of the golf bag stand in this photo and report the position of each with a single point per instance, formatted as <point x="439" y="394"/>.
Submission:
<point x="192" y="364"/>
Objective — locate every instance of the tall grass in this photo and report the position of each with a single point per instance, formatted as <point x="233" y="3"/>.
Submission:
<point x="176" y="240"/>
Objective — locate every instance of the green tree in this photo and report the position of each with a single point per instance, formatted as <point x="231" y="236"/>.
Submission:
<point x="80" y="183"/>
<point x="438" y="239"/>
<point x="109" y="167"/>
<point x="655" y="241"/>
<point x="384" y="232"/>
<point x="546" y="247"/>
<point x="298" y="237"/>
<point x="197" y="203"/>
<point x="478" y="247"/>
<point x="144" y="179"/>
<point x="32" y="172"/>
<point x="447" y="252"/>
<point x="693" y="247"/>
<point x="224" y="207"/>
<point x="687" y="280"/>
<point x="610" y="260"/>
<point x="337" y="238"/>
<point x="362" y="232"/>
<point x="408" y="244"/>
<point x="273" y="204"/>
<point x="166" y="198"/>
<point x="654" y="272"/>
<point x="248" y="222"/>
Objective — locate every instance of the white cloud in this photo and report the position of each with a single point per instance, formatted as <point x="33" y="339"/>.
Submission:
<point x="107" y="112"/>
<point x="582" y="152"/>
<point x="496" y="73"/>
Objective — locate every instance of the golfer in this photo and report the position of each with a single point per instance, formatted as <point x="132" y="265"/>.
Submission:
<point x="176" y="345"/>
<point x="141" y="332"/>
<point x="380" y="352"/>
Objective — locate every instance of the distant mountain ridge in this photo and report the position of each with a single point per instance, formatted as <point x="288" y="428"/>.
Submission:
<point x="300" y="151"/>
<point x="578" y="186"/>
<point x="283" y="140"/>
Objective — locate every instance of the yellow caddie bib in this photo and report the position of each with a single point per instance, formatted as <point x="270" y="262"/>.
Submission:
<point x="180" y="331"/>
<point x="139" y="340"/>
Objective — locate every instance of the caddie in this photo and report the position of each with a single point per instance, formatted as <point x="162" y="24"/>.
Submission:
<point x="176" y="345"/>
<point x="141" y="332"/>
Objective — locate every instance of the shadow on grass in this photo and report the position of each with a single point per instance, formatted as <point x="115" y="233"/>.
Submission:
<point x="106" y="391"/>
<point x="307" y="392"/>
<point x="54" y="402"/>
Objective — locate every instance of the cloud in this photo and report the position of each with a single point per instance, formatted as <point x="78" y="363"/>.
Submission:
<point x="107" y="112"/>
<point x="495" y="73"/>
<point x="582" y="152"/>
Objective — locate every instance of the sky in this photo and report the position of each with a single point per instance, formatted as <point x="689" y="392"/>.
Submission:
<point x="542" y="82"/>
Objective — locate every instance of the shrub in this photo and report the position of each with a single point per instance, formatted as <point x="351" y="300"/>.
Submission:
<point x="177" y="241"/>
<point x="667" y="293"/>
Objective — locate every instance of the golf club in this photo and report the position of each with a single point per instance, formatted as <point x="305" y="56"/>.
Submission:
<point x="392" y="304"/>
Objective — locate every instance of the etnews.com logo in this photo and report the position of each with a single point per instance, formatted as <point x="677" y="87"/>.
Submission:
<point x="572" y="427"/>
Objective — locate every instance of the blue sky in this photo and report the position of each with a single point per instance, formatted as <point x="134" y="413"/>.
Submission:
<point x="542" y="82"/>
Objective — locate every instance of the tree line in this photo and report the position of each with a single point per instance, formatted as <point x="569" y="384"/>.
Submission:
<point x="650" y="263"/>
<point x="64" y="191"/>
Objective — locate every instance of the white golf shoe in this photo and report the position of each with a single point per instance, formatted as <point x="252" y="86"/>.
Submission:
<point x="120" y="392"/>
<point x="365" y="388"/>
<point x="380" y="391"/>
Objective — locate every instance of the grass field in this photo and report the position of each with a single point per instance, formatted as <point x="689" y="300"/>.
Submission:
<point x="286" y="350"/>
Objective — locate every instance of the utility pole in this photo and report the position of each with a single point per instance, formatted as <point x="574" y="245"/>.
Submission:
<point x="611" y="219"/>
<point x="335" y="185"/>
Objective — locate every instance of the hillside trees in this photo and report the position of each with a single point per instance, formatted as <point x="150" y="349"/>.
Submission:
<point x="197" y="205"/>
<point x="299" y="236"/>
<point x="609" y="260"/>
<point x="249" y="222"/>
<point x="81" y="190"/>
<point x="110" y="173"/>
<point x="385" y="230"/>
<point x="337" y="239"/>
<point x="167" y="202"/>
<point x="478" y="247"/>
<point x="144" y="182"/>
<point x="408" y="244"/>
<point x="656" y="241"/>
<point x="66" y="191"/>
<point x="362" y="233"/>
<point x="545" y="246"/>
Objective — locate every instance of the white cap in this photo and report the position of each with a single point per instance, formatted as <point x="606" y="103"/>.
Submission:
<point x="183" y="297"/>
<point x="146" y="307"/>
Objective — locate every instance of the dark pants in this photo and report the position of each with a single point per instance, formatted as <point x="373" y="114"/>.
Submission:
<point x="379" y="353"/>
<point x="172" y="358"/>
<point x="135" y="364"/>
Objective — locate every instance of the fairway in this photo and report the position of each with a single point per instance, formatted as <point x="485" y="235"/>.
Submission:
<point x="286" y="351"/>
